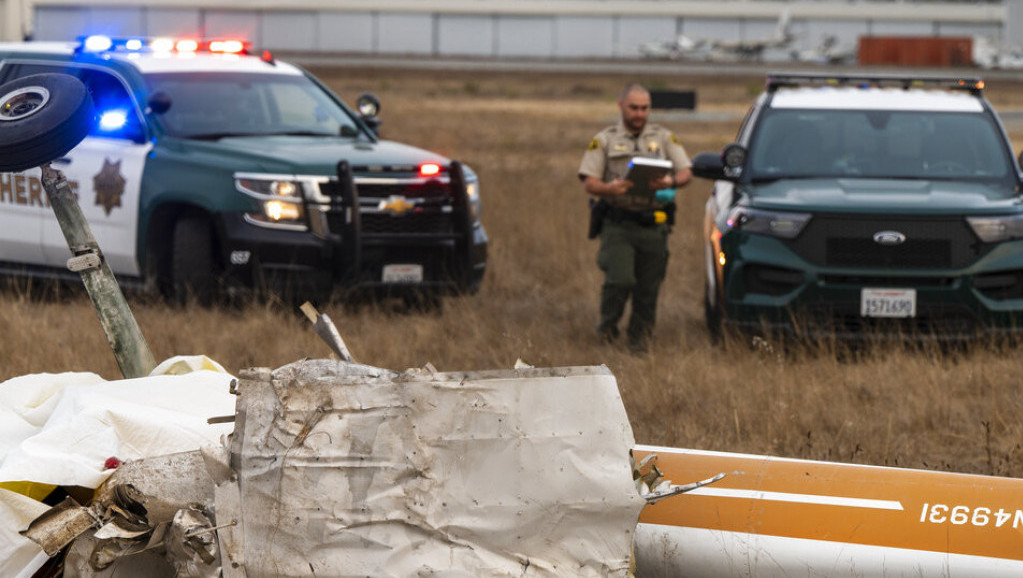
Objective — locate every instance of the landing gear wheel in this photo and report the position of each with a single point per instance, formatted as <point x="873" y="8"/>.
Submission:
<point x="193" y="266"/>
<point x="42" y="117"/>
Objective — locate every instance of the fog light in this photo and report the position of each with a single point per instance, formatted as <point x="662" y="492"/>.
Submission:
<point x="281" y="211"/>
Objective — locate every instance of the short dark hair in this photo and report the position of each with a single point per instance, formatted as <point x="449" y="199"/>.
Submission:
<point x="630" y="88"/>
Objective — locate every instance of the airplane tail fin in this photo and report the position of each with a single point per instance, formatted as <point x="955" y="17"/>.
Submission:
<point x="783" y="33"/>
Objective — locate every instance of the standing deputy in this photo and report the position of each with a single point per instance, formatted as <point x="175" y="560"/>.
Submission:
<point x="633" y="237"/>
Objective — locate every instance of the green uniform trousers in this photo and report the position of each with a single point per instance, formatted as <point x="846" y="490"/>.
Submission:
<point x="634" y="259"/>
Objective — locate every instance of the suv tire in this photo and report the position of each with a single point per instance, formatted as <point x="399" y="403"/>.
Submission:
<point x="713" y="316"/>
<point x="193" y="267"/>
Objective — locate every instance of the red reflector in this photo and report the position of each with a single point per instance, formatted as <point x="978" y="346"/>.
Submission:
<point x="429" y="170"/>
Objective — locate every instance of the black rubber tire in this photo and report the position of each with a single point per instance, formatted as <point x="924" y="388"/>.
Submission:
<point x="42" y="117"/>
<point x="713" y="317"/>
<point x="193" y="265"/>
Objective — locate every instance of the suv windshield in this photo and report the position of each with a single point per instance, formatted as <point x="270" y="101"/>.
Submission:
<point x="799" y="143"/>
<point x="216" y="105"/>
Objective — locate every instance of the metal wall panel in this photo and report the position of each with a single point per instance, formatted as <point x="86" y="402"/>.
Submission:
<point x="526" y="28"/>
<point x="582" y="36"/>
<point x="464" y="35"/>
<point x="1013" y="34"/>
<point x="881" y="28"/>
<point x="345" y="31"/>
<point x="750" y="29"/>
<point x="60" y="23"/>
<point x="233" y="24"/>
<point x="172" y="22"/>
<point x="116" y="21"/>
<point x="707" y="28"/>
<point x="404" y="33"/>
<point x="525" y="36"/>
<point x="289" y="31"/>
<point x="966" y="29"/>
<point x="633" y="31"/>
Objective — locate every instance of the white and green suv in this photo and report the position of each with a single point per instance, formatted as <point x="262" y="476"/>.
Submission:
<point x="211" y="171"/>
<point x="854" y="203"/>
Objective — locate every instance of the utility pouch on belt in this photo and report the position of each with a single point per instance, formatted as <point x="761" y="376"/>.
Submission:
<point x="598" y="212"/>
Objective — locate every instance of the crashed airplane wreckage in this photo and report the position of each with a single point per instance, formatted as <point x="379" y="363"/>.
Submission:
<point x="334" y="468"/>
<point x="331" y="468"/>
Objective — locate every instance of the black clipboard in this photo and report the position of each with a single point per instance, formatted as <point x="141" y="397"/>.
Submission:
<point x="642" y="170"/>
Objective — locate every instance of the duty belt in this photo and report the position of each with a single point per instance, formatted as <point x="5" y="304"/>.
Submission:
<point x="647" y="218"/>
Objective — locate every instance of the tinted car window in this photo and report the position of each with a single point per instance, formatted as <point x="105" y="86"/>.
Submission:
<point x="217" y="105"/>
<point x="878" y="144"/>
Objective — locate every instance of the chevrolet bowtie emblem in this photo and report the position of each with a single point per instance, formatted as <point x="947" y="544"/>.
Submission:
<point x="397" y="205"/>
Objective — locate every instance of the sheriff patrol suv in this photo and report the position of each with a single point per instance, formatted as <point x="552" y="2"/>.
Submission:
<point x="850" y="203"/>
<point x="210" y="170"/>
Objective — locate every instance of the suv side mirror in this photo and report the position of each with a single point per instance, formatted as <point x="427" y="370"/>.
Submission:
<point x="726" y="165"/>
<point x="368" y="106"/>
<point x="159" y="103"/>
<point x="708" y="166"/>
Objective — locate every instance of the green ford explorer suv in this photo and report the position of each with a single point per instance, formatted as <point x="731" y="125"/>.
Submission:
<point x="860" y="203"/>
<point x="211" y="171"/>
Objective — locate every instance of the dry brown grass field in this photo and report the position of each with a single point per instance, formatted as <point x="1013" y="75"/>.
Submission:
<point x="891" y="404"/>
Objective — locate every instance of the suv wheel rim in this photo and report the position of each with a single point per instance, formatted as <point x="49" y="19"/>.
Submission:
<point x="23" y="102"/>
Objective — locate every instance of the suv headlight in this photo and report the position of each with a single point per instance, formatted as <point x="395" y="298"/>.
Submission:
<point x="995" y="229"/>
<point x="281" y="199"/>
<point x="774" y="223"/>
<point x="472" y="191"/>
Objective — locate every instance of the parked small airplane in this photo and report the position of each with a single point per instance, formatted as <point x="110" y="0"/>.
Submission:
<point x="989" y="53"/>
<point x="827" y="52"/>
<point x="683" y="47"/>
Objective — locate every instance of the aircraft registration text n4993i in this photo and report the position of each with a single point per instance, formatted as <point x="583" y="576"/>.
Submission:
<point x="773" y="516"/>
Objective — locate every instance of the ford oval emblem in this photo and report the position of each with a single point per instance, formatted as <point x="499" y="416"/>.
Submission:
<point x="889" y="238"/>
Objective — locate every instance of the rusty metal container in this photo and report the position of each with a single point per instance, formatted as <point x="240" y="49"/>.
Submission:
<point x="938" y="51"/>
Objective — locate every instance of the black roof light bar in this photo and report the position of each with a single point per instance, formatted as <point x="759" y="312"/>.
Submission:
<point x="786" y="80"/>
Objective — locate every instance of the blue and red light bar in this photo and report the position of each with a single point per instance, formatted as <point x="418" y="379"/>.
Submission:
<point x="99" y="44"/>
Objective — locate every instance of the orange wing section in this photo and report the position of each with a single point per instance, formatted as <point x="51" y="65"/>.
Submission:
<point x="869" y="505"/>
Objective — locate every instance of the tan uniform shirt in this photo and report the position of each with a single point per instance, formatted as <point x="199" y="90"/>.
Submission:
<point x="607" y="158"/>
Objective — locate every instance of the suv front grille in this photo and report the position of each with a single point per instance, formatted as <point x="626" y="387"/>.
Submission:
<point x="848" y="241"/>
<point x="926" y="253"/>
<point x="415" y="224"/>
<point x="432" y="215"/>
<point x="381" y="190"/>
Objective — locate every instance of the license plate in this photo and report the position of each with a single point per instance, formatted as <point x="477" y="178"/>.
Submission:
<point x="888" y="303"/>
<point x="403" y="273"/>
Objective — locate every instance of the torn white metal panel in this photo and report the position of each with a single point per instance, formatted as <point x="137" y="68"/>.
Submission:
<point x="357" y="470"/>
<point x="228" y="510"/>
<point x="174" y="491"/>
